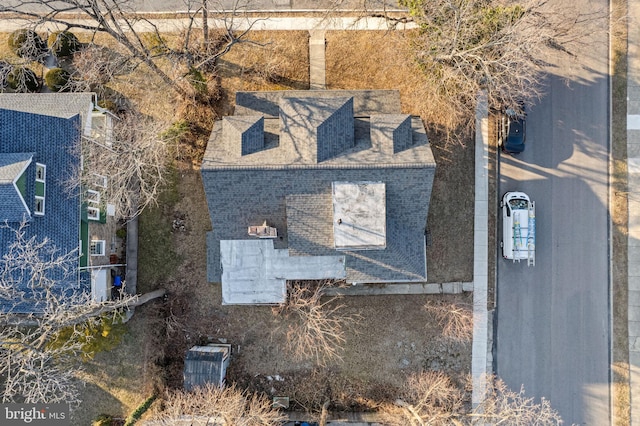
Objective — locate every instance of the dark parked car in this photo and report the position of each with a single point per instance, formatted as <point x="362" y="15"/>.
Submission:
<point x="512" y="132"/>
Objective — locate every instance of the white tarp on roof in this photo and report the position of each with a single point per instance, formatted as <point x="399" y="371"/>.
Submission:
<point x="254" y="272"/>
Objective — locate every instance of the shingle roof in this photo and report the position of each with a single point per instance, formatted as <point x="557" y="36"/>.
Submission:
<point x="12" y="205"/>
<point x="288" y="152"/>
<point x="61" y="105"/>
<point x="286" y="186"/>
<point x="50" y="140"/>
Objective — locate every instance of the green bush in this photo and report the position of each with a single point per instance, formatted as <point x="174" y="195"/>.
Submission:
<point x="121" y="233"/>
<point x="138" y="412"/>
<point x="22" y="79"/>
<point x="27" y="44"/>
<point x="56" y="79"/>
<point x="197" y="80"/>
<point x="94" y="337"/>
<point x="63" y="43"/>
<point x="177" y="131"/>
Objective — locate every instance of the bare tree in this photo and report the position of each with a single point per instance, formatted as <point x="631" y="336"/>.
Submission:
<point x="504" y="406"/>
<point x="497" y="45"/>
<point x="134" y="159"/>
<point x="428" y="398"/>
<point x="432" y="398"/>
<point x="314" y="328"/>
<point x="42" y="296"/>
<point x="210" y="404"/>
<point x="95" y="66"/>
<point x="456" y="319"/>
<point x="118" y="19"/>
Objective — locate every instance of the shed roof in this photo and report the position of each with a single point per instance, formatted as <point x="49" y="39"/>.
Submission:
<point x="206" y="365"/>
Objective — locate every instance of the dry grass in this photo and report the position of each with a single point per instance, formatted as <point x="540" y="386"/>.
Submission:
<point x="383" y="60"/>
<point x="277" y="60"/>
<point x="456" y="319"/>
<point x="619" y="217"/>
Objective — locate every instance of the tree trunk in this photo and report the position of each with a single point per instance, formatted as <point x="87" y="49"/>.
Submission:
<point x="205" y="26"/>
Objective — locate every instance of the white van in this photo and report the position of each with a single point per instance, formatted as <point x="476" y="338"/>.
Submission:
<point x="518" y="227"/>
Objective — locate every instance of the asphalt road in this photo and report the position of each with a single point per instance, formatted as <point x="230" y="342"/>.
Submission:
<point x="553" y="320"/>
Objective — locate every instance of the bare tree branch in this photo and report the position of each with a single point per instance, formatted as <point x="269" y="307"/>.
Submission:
<point x="315" y="329"/>
<point x="208" y="405"/>
<point x="118" y="19"/>
<point x="428" y="398"/>
<point x="134" y="159"/>
<point x="36" y="273"/>
<point x="463" y="46"/>
<point x="504" y="406"/>
<point x="456" y="319"/>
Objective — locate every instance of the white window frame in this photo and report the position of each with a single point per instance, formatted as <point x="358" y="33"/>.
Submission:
<point x="100" y="180"/>
<point x="36" y="211"/>
<point x="93" y="197"/>
<point x="93" y="213"/>
<point x="95" y="244"/>
<point x="43" y="167"/>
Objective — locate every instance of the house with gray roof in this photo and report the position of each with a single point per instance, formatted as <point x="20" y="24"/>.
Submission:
<point x="314" y="185"/>
<point x="39" y="152"/>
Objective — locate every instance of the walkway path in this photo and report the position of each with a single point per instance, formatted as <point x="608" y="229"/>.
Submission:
<point x="317" y="63"/>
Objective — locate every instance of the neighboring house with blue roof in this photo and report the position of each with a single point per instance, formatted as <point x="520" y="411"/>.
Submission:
<point x="343" y="177"/>
<point x="39" y="153"/>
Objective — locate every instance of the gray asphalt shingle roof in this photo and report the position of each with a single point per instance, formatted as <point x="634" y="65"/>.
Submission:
<point x="293" y="152"/>
<point x="288" y="186"/>
<point x="61" y="105"/>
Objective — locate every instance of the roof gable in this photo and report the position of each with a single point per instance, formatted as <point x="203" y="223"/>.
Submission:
<point x="13" y="207"/>
<point x="330" y="128"/>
